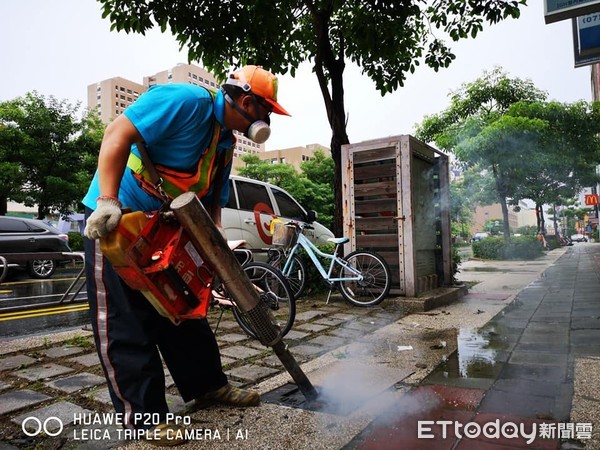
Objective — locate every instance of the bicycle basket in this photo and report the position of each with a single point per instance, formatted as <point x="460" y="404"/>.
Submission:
<point x="284" y="235"/>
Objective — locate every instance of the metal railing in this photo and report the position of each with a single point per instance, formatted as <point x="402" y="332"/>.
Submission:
<point x="8" y="260"/>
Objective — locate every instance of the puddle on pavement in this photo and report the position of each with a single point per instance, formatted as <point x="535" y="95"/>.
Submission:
<point x="477" y="355"/>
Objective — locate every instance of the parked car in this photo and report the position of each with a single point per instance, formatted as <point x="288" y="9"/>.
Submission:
<point x="579" y="238"/>
<point x="479" y="236"/>
<point x="253" y="204"/>
<point x="21" y="235"/>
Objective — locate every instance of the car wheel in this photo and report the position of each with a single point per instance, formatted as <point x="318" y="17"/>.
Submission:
<point x="41" y="268"/>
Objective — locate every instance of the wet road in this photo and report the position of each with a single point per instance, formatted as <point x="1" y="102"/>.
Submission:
<point x="29" y="306"/>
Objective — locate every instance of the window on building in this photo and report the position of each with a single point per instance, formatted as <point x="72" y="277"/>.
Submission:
<point x="195" y="77"/>
<point x="129" y="99"/>
<point x="274" y="161"/>
<point x="282" y="160"/>
<point x="122" y="105"/>
<point x="201" y="79"/>
<point x="98" y="97"/>
<point x="129" y="91"/>
<point x="212" y="83"/>
<point x="136" y="94"/>
<point x="121" y="88"/>
<point x="122" y="97"/>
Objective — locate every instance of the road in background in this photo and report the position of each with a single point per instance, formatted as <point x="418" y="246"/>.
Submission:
<point x="29" y="306"/>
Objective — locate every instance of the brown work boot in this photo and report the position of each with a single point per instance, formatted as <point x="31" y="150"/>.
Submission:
<point x="166" y="435"/>
<point x="229" y="395"/>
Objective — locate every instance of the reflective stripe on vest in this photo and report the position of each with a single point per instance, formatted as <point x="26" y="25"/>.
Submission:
<point x="177" y="182"/>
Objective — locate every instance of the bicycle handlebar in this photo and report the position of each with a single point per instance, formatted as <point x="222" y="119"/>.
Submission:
<point x="300" y="225"/>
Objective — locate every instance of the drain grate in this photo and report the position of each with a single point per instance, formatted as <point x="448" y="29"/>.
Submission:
<point x="290" y="395"/>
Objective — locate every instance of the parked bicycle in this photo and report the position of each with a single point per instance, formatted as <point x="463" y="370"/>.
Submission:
<point x="273" y="291"/>
<point x="363" y="277"/>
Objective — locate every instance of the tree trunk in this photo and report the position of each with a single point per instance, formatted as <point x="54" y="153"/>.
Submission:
<point x="502" y="197"/>
<point x="505" y="224"/>
<point x="334" y="105"/>
<point x="3" y="206"/>
<point x="555" y="221"/>
<point x="541" y="223"/>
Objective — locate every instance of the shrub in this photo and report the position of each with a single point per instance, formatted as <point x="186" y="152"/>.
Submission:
<point x="488" y="248"/>
<point x="76" y="242"/>
<point x="522" y="247"/>
<point x="519" y="247"/>
<point x="456" y="260"/>
<point x="552" y="242"/>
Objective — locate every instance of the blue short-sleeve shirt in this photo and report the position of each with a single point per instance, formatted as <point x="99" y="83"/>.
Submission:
<point x="176" y="122"/>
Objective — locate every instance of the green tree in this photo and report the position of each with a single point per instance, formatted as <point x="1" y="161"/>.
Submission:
<point x="11" y="176"/>
<point x="49" y="150"/>
<point x="477" y="130"/>
<point x="569" y="150"/>
<point x="312" y="188"/>
<point x="386" y="39"/>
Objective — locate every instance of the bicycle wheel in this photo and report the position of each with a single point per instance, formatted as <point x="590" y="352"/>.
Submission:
<point x="296" y="276"/>
<point x="274" y="292"/>
<point x="376" y="282"/>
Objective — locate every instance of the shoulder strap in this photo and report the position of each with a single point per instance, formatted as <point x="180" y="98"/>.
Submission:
<point x="155" y="178"/>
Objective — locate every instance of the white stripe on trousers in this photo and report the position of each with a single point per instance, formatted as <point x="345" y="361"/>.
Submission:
<point x="102" y="327"/>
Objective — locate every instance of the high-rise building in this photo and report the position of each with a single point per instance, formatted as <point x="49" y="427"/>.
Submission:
<point x="112" y="96"/>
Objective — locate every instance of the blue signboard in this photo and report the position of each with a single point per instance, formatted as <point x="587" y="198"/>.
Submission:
<point x="586" y="39"/>
<point x="555" y="10"/>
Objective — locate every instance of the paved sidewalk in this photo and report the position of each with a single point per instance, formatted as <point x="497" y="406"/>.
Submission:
<point x="523" y="346"/>
<point x="536" y="363"/>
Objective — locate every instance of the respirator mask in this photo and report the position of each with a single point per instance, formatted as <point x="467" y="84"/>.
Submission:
<point x="259" y="129"/>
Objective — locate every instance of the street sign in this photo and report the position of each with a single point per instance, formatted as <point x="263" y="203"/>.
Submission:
<point x="586" y="39"/>
<point x="592" y="199"/>
<point x="556" y="10"/>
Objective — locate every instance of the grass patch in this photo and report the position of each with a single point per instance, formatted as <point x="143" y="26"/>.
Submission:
<point x="80" y="341"/>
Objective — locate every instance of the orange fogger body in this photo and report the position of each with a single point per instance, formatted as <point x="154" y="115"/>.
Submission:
<point x="158" y="258"/>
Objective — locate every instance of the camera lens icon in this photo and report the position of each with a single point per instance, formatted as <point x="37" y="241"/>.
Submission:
<point x="32" y="426"/>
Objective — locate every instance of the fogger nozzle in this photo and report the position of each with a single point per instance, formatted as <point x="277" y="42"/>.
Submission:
<point x="214" y="249"/>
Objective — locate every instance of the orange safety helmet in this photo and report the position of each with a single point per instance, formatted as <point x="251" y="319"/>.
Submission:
<point x="260" y="82"/>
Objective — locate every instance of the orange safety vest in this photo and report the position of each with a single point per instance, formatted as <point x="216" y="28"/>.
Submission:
<point x="175" y="182"/>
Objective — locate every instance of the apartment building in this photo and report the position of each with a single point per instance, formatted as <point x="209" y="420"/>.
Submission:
<point x="293" y="156"/>
<point x="112" y="96"/>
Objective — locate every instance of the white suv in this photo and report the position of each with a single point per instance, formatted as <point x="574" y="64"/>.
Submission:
<point x="253" y="204"/>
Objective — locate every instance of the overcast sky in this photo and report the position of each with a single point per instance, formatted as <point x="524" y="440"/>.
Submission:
<point x="59" y="47"/>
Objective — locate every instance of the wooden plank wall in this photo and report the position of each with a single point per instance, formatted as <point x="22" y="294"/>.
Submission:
<point x="375" y="205"/>
<point x="396" y="204"/>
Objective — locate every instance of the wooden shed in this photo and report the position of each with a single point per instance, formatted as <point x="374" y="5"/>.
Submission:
<point x="396" y="202"/>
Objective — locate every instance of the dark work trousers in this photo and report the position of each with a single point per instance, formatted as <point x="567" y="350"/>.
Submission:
<point x="129" y="333"/>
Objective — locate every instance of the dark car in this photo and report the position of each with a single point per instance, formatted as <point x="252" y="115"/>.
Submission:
<point x="20" y="235"/>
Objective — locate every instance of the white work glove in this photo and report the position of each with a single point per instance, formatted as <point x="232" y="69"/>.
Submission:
<point x="104" y="219"/>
